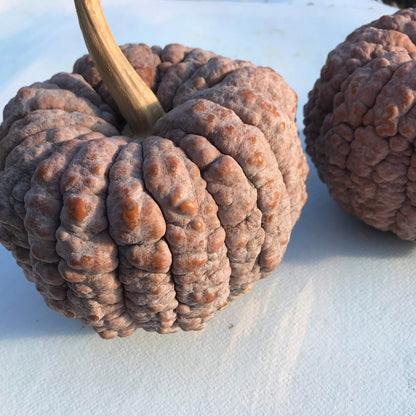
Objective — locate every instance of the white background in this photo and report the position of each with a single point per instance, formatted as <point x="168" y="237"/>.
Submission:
<point x="332" y="332"/>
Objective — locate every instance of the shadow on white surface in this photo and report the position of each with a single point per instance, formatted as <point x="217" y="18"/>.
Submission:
<point x="325" y="231"/>
<point x="23" y="312"/>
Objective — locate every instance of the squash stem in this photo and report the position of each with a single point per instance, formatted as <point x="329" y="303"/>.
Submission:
<point x="136" y="101"/>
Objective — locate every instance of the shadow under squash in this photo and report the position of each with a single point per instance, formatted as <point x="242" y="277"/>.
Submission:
<point x="324" y="230"/>
<point x="23" y="312"/>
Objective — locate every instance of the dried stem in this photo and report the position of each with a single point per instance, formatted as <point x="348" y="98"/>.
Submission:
<point x="136" y="101"/>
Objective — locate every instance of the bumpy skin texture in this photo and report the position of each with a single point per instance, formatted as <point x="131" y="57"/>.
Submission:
<point x="158" y="234"/>
<point x="360" y="124"/>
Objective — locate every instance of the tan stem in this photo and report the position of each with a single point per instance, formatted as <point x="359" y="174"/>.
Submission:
<point x="136" y="101"/>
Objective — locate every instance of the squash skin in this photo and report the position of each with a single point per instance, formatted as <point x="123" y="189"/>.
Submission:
<point x="158" y="234"/>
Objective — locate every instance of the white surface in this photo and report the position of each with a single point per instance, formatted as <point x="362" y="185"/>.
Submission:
<point x="331" y="333"/>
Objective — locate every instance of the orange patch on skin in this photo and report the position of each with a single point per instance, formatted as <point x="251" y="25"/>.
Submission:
<point x="90" y="182"/>
<point x="177" y="195"/>
<point x="229" y="129"/>
<point x="189" y="207"/>
<point x="223" y="113"/>
<point x="272" y="204"/>
<point x="153" y="169"/>
<point x="257" y="159"/>
<point x="382" y="63"/>
<point x="268" y="108"/>
<point x="44" y="173"/>
<point x="267" y="261"/>
<point x="199" y="107"/>
<point x="282" y="126"/>
<point x="209" y="119"/>
<point x="191" y="264"/>
<point x="198" y="297"/>
<point x="199" y="83"/>
<point x="269" y="184"/>
<point x="98" y="170"/>
<point x="155" y="309"/>
<point x="249" y="95"/>
<point x="197" y="225"/>
<point x="160" y="261"/>
<point x="130" y="213"/>
<point x="156" y="290"/>
<point x="173" y="163"/>
<point x="209" y="297"/>
<point x="77" y="208"/>
<point x="86" y="260"/>
<point x="407" y="99"/>
<point x="75" y="262"/>
<point x="391" y="111"/>
<point x="268" y="218"/>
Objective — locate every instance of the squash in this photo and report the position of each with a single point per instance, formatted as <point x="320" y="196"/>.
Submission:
<point x="150" y="186"/>
<point x="360" y="124"/>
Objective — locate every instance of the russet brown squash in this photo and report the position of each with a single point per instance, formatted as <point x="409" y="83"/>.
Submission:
<point x="360" y="124"/>
<point x="150" y="186"/>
